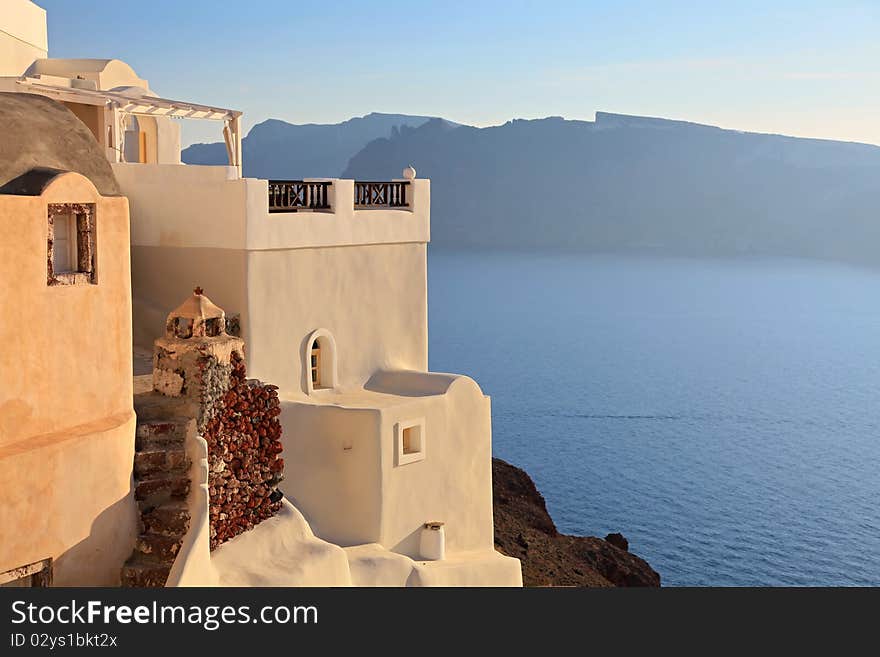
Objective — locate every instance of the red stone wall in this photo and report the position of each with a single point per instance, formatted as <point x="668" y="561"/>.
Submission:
<point x="244" y="443"/>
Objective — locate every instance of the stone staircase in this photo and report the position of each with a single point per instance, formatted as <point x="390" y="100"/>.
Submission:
<point x="161" y="471"/>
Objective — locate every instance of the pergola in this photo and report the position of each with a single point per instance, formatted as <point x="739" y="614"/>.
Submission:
<point x="125" y="102"/>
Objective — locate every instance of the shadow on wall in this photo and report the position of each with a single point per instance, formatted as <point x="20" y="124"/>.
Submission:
<point x="409" y="544"/>
<point x="411" y="383"/>
<point x="151" y="326"/>
<point x="97" y="560"/>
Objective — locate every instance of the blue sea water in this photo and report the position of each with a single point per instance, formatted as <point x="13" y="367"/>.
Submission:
<point x="723" y="415"/>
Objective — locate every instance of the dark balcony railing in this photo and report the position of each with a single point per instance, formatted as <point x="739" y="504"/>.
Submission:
<point x="294" y="195"/>
<point x="380" y="195"/>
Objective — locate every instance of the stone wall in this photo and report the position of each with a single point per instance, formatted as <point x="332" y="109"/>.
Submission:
<point x="243" y="434"/>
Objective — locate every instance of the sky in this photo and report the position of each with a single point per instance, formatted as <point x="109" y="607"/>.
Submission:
<point x="799" y="68"/>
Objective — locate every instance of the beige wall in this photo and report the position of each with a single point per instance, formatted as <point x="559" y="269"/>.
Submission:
<point x="68" y="496"/>
<point x="60" y="366"/>
<point x="372" y="299"/>
<point x="92" y="116"/>
<point x="162" y="277"/>
<point x="23" y="36"/>
<point x="66" y="418"/>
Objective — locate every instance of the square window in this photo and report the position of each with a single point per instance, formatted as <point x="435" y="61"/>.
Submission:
<point x="410" y="441"/>
<point x="71" y="245"/>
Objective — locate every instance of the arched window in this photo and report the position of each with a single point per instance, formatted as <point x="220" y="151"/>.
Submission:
<point x="320" y="361"/>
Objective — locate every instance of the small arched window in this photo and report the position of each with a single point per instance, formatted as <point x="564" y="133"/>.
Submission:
<point x="320" y="361"/>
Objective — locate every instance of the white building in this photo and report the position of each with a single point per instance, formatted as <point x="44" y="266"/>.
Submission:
<point x="328" y="280"/>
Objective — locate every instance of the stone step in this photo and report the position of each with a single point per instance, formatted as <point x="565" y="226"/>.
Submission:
<point x="160" y="433"/>
<point x="156" y="491"/>
<point x="158" y="547"/>
<point x="170" y="519"/>
<point x="143" y="573"/>
<point x="156" y="460"/>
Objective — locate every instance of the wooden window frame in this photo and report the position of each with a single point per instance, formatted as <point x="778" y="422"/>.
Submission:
<point x="315" y="367"/>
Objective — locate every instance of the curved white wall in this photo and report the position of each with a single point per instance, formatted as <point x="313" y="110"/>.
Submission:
<point x="341" y="470"/>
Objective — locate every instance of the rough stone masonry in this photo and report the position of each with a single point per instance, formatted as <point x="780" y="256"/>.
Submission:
<point x="202" y="366"/>
<point x="244" y="443"/>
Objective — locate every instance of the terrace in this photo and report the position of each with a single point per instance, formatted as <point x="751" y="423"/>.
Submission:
<point x="178" y="205"/>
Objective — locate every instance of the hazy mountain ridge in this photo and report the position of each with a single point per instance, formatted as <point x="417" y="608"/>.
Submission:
<point x="635" y="183"/>
<point x="280" y="150"/>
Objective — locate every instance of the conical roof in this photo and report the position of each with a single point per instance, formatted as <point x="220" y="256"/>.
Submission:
<point x="197" y="307"/>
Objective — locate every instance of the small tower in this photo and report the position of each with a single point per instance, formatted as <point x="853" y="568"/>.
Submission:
<point x="197" y="317"/>
<point x="193" y="360"/>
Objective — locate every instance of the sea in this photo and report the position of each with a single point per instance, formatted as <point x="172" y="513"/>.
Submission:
<point x="724" y="415"/>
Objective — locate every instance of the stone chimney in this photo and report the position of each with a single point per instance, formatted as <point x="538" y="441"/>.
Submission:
<point x="199" y="373"/>
<point x="193" y="360"/>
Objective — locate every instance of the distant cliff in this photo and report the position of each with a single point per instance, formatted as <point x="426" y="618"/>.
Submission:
<point x="280" y="150"/>
<point x="637" y="184"/>
<point x="619" y="183"/>
<point x="524" y="529"/>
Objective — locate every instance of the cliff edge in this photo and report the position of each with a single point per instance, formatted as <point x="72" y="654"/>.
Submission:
<point x="524" y="529"/>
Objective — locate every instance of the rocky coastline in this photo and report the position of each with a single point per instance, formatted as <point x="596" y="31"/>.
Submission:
<point x="525" y="530"/>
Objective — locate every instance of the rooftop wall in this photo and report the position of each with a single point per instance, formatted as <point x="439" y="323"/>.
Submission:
<point x="206" y="206"/>
<point x="23" y="36"/>
<point x="105" y="73"/>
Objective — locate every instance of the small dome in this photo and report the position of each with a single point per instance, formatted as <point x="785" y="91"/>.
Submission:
<point x="39" y="136"/>
<point x="409" y="173"/>
<point x="198" y="316"/>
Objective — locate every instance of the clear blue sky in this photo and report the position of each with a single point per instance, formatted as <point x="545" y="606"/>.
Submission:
<point x="802" y="68"/>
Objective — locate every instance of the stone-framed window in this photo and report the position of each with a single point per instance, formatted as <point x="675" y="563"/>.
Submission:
<point x="37" y="574"/>
<point x="72" y="255"/>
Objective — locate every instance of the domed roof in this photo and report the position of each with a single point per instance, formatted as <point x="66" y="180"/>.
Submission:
<point x="39" y="133"/>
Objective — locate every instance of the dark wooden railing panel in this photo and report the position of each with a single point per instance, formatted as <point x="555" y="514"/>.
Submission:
<point x="294" y="195"/>
<point x="380" y="194"/>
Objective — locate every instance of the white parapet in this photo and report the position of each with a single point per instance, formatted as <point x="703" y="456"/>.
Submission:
<point x="208" y="207"/>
